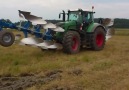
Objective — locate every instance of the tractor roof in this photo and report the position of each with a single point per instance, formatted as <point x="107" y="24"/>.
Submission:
<point x="80" y="10"/>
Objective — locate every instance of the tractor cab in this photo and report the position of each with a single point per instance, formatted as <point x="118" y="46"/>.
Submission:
<point x="78" y="17"/>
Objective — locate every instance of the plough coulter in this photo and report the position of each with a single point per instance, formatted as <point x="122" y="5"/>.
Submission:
<point x="79" y="30"/>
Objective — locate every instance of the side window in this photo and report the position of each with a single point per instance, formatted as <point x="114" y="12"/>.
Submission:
<point x="87" y="17"/>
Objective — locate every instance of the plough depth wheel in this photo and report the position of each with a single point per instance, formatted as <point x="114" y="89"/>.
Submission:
<point x="6" y="38"/>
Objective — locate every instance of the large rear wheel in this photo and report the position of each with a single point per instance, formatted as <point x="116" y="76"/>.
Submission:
<point x="6" y="38"/>
<point x="71" y="42"/>
<point x="98" y="39"/>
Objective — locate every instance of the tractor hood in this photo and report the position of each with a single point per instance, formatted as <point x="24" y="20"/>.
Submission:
<point x="68" y="25"/>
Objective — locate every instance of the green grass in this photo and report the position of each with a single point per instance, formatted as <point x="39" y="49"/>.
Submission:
<point x="101" y="70"/>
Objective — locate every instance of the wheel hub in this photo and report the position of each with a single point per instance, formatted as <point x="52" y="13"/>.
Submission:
<point x="74" y="43"/>
<point x="99" y="40"/>
<point x="7" y="38"/>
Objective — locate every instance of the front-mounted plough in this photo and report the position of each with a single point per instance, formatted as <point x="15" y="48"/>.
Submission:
<point x="79" y="30"/>
<point x="43" y="39"/>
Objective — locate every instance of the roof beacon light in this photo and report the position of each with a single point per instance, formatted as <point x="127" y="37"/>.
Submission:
<point x="92" y="8"/>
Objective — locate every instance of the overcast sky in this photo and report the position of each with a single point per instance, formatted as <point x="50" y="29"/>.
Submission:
<point x="49" y="9"/>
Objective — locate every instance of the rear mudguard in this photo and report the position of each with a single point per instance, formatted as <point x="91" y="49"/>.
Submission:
<point x="93" y="27"/>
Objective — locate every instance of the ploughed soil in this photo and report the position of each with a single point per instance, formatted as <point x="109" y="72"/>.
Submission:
<point x="25" y="80"/>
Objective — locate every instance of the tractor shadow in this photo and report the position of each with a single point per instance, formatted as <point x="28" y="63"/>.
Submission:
<point x="41" y="53"/>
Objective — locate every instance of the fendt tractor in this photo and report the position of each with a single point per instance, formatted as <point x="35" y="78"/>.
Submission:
<point x="77" y="31"/>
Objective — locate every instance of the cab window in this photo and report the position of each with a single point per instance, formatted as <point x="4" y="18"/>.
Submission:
<point x="87" y="17"/>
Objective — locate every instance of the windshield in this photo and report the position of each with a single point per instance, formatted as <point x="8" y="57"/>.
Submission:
<point x="74" y="16"/>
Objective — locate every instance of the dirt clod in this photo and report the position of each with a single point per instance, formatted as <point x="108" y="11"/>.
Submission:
<point x="76" y="72"/>
<point x="53" y="72"/>
<point x="26" y="74"/>
<point x="56" y="87"/>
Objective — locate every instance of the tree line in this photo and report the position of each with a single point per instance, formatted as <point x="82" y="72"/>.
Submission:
<point x="118" y="23"/>
<point x="121" y="23"/>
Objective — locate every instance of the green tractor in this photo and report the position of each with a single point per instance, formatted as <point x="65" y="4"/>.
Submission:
<point x="80" y="31"/>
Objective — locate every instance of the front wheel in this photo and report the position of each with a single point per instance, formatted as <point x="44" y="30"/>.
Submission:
<point x="6" y="38"/>
<point x="71" y="42"/>
<point x="98" y="39"/>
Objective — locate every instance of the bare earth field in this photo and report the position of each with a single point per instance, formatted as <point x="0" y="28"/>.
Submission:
<point x="29" y="68"/>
